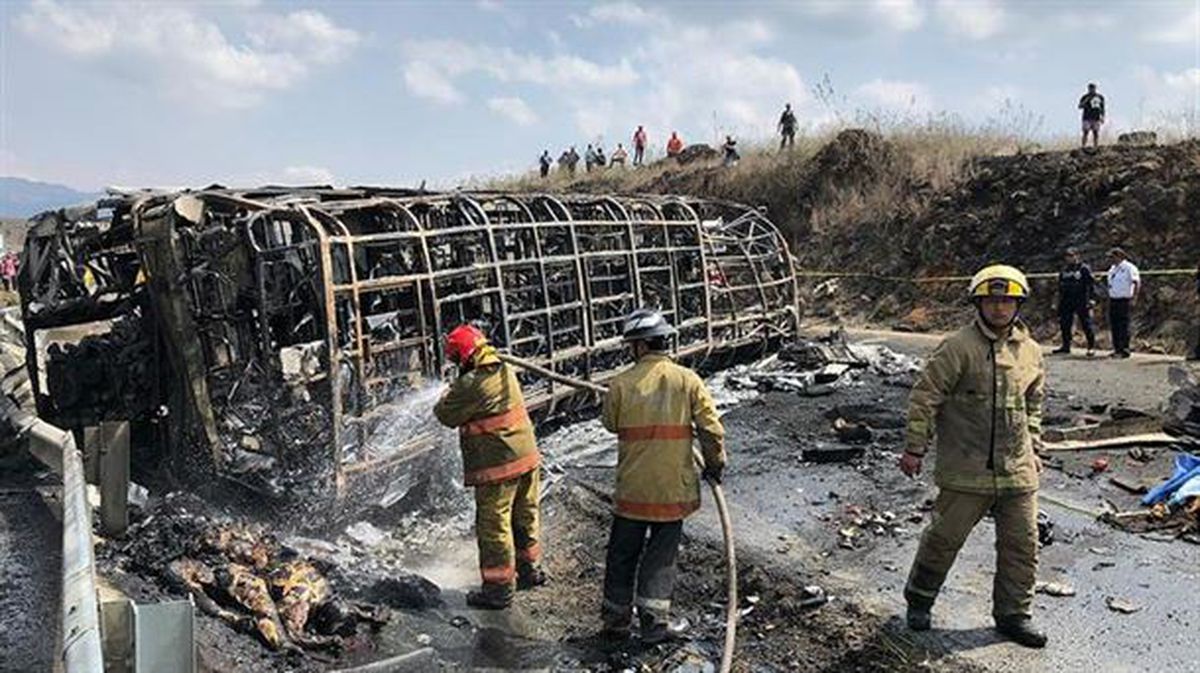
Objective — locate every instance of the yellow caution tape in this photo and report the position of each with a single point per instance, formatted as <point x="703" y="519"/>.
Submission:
<point x="965" y="279"/>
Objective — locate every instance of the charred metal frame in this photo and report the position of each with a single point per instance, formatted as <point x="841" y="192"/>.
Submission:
<point x="285" y="317"/>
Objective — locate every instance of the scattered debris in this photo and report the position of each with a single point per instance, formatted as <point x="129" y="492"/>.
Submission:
<point x="1121" y="605"/>
<point x="853" y="433"/>
<point x="812" y="596"/>
<point x="1183" y="407"/>
<point x="366" y="534"/>
<point x="823" y="453"/>
<point x="1148" y="439"/>
<point x="1137" y="487"/>
<point x="1058" y="589"/>
<point x="1100" y="465"/>
<point x="1045" y="529"/>
<point x="406" y="592"/>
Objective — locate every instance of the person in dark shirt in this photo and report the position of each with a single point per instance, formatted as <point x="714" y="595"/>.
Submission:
<point x="1092" y="105"/>
<point x="1196" y="349"/>
<point x="1075" y="285"/>
<point x="787" y="127"/>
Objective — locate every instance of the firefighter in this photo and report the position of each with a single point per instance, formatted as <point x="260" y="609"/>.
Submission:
<point x="501" y="462"/>
<point x="656" y="408"/>
<point x="981" y="396"/>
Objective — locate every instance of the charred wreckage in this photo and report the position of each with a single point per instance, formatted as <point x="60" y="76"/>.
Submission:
<point x="261" y="335"/>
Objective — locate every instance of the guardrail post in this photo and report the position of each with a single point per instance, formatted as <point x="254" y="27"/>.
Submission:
<point x="114" y="477"/>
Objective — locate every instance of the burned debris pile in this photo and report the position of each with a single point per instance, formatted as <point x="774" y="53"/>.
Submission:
<point x="258" y="334"/>
<point x="243" y="575"/>
<point x="817" y="367"/>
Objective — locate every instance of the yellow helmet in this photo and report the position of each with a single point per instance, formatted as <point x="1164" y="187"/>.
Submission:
<point x="999" y="280"/>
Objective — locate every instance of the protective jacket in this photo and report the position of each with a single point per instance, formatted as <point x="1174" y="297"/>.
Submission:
<point x="656" y="408"/>
<point x="981" y="396"/>
<point x="486" y="405"/>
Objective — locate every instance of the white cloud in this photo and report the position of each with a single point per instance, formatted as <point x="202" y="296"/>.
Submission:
<point x="1169" y="100"/>
<point x="432" y="67"/>
<point x="697" y="79"/>
<point x="427" y="81"/>
<point x="889" y="15"/>
<point x="972" y="19"/>
<point x="68" y="29"/>
<point x="307" y="175"/>
<point x="1178" y="30"/>
<point x="619" y="12"/>
<point x="304" y="31"/>
<point x="1184" y="81"/>
<point x="489" y="5"/>
<point x="513" y="108"/>
<point x="896" y="95"/>
<point x="186" y="56"/>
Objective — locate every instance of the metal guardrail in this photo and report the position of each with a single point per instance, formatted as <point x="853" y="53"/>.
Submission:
<point x="81" y="651"/>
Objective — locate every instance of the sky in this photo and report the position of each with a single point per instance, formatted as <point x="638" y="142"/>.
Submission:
<point x="245" y="92"/>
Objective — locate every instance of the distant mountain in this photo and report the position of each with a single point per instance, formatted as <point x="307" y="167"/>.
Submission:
<point x="22" y="198"/>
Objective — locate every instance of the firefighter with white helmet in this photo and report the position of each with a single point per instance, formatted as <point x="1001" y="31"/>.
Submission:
<point x="980" y="395"/>
<point x="656" y="408"/>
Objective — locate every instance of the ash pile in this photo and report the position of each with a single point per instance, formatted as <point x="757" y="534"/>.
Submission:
<point x="818" y="367"/>
<point x="824" y="366"/>
<point x="305" y="597"/>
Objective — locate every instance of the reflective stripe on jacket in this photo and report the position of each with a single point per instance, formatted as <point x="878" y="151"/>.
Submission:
<point x="656" y="408"/>
<point x="495" y="433"/>
<point x="981" y="397"/>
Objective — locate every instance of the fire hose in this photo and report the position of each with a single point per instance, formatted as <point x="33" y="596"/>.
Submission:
<point x="731" y="606"/>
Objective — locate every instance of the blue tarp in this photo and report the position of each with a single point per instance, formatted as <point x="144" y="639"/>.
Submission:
<point x="1182" y="485"/>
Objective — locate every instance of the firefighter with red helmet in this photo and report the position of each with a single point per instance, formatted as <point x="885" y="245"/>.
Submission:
<point x="500" y="461"/>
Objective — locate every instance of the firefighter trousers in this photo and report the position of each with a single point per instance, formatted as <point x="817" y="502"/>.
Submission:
<point x="507" y="529"/>
<point x="645" y="551"/>
<point x="955" y="515"/>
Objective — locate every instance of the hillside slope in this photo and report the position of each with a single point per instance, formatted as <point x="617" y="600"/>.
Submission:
<point x="931" y="206"/>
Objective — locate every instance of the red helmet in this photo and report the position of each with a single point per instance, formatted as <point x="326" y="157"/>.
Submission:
<point x="462" y="341"/>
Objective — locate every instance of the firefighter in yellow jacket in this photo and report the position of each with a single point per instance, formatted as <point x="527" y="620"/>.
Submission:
<point x="656" y="408"/>
<point x="980" y="395"/>
<point x="501" y="461"/>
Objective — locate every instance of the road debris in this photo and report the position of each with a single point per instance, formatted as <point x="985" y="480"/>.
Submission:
<point x="1045" y="528"/>
<point x="1121" y="605"/>
<point x="1057" y="589"/>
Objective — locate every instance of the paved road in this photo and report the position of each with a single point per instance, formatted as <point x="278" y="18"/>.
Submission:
<point x="782" y="508"/>
<point x="30" y="561"/>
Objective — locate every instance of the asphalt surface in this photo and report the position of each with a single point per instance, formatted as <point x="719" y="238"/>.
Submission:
<point x="797" y="509"/>
<point x="30" y="563"/>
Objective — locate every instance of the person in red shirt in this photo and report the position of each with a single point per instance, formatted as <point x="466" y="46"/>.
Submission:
<point x="639" y="146"/>
<point x="674" y="145"/>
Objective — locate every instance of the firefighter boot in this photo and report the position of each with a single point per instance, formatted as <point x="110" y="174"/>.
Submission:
<point x="529" y="576"/>
<point x="918" y="618"/>
<point x="491" y="597"/>
<point x="1020" y="630"/>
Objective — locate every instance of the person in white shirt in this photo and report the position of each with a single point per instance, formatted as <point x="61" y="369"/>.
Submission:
<point x="1124" y="281"/>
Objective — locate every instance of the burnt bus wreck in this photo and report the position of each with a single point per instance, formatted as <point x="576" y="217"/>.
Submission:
<point x="264" y="335"/>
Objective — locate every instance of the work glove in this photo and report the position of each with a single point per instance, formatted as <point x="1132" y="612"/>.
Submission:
<point x="713" y="474"/>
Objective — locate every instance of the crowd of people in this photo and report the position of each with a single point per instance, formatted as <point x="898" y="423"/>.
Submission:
<point x="1092" y="105"/>
<point x="594" y="157"/>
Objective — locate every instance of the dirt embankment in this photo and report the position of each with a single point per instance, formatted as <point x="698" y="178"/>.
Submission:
<point x="931" y="206"/>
